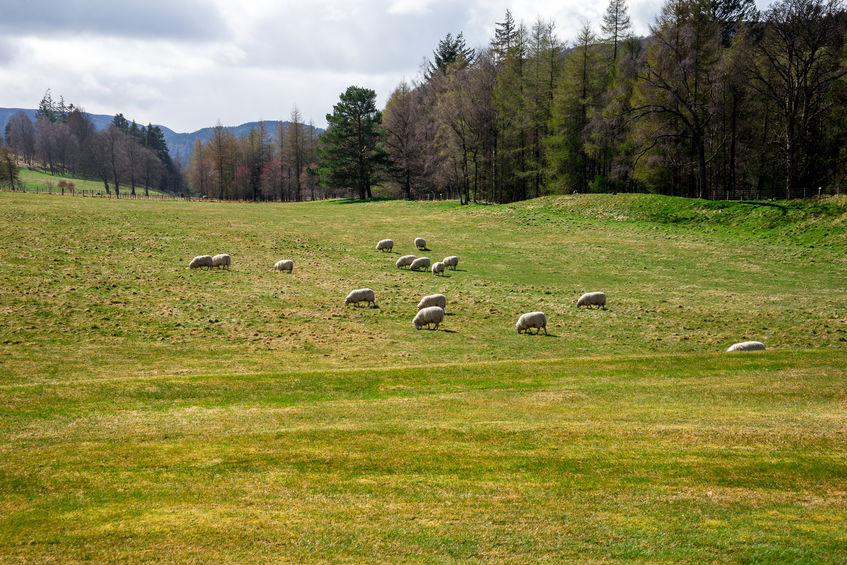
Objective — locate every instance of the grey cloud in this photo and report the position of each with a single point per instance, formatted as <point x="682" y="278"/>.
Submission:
<point x="8" y="52"/>
<point x="374" y="42"/>
<point x="153" y="19"/>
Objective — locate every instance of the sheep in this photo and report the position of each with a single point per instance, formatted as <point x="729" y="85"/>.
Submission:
<point x="201" y="261"/>
<point x="437" y="267"/>
<point x="420" y="243"/>
<point x="429" y="315"/>
<point x="433" y="300"/>
<point x="221" y="260"/>
<point x="385" y="245"/>
<point x="360" y="295"/>
<point x="747" y="346"/>
<point x="419" y="263"/>
<point x="404" y="261"/>
<point x="451" y="261"/>
<point x="284" y="265"/>
<point x="592" y="299"/>
<point x="532" y="320"/>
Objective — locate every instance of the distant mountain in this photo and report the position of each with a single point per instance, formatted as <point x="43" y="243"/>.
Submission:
<point x="180" y="145"/>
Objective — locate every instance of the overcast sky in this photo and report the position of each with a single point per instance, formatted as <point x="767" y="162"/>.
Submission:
<point x="188" y="64"/>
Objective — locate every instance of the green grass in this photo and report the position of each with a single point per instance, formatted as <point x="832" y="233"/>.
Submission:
<point x="149" y="412"/>
<point x="45" y="182"/>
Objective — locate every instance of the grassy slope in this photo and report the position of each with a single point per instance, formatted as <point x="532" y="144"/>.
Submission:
<point x="148" y="412"/>
<point x="101" y="288"/>
<point x="45" y="182"/>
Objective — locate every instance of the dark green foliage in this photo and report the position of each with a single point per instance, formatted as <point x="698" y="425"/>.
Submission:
<point x="352" y="149"/>
<point x="450" y="52"/>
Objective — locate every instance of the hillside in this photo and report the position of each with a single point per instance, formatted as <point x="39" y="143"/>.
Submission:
<point x="675" y="283"/>
<point x="155" y="413"/>
<point x="180" y="145"/>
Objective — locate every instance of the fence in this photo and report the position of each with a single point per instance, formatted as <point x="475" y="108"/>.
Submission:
<point x="89" y="193"/>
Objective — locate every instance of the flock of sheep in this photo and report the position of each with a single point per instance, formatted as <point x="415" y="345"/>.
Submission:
<point x="431" y="308"/>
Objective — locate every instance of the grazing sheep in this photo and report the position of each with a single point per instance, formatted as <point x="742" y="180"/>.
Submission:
<point x="360" y="295"/>
<point x="404" y="261"/>
<point x="420" y="243"/>
<point x="451" y="261"/>
<point x="419" y="263"/>
<point x="747" y="346"/>
<point x="532" y="320"/>
<point x="429" y="315"/>
<point x="222" y="260"/>
<point x="597" y="299"/>
<point x="385" y="245"/>
<point x="433" y="300"/>
<point x="438" y="267"/>
<point x="201" y="261"/>
<point x="284" y="265"/>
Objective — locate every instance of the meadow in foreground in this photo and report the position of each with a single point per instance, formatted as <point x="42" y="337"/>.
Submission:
<point x="94" y="288"/>
<point x="152" y="413"/>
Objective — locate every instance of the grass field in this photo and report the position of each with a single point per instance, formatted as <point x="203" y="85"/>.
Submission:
<point x="152" y="413"/>
<point x="45" y="182"/>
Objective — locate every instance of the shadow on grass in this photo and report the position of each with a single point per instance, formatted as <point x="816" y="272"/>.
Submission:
<point x="770" y="204"/>
<point x="359" y="200"/>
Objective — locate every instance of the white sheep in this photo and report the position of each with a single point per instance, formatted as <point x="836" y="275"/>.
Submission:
<point x="438" y="267"/>
<point x="284" y="265"/>
<point x="427" y="316"/>
<point x="532" y="320"/>
<point x="433" y="300"/>
<point x="201" y="261"/>
<point x="419" y="263"/>
<point x="592" y="299"/>
<point x="451" y="261"/>
<point x="747" y="346"/>
<point x="385" y="245"/>
<point x="404" y="261"/>
<point x="221" y="260"/>
<point x="420" y="243"/>
<point x="360" y="295"/>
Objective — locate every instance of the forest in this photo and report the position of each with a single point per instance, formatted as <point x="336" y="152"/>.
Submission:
<point x="64" y="141"/>
<point x="719" y="101"/>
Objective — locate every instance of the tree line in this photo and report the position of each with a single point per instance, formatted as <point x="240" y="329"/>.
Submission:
<point x="64" y="140"/>
<point x="278" y="165"/>
<point x="720" y="101"/>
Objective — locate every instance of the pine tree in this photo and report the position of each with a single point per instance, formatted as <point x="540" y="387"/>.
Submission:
<point x="450" y="53"/>
<point x="351" y="151"/>
<point x="616" y="25"/>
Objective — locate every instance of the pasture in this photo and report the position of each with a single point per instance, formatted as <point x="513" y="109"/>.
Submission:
<point x="151" y="412"/>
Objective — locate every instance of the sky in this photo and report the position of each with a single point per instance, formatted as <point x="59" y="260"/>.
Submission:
<point x="189" y="64"/>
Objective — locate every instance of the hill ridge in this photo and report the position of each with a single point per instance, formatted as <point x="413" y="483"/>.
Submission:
<point x="180" y="144"/>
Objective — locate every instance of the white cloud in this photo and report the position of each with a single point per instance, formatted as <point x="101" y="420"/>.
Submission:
<point x="188" y="64"/>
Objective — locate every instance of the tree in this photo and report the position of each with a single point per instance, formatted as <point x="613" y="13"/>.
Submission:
<point x="678" y="85"/>
<point x="796" y="64"/>
<point x="616" y="26"/>
<point x="402" y="138"/>
<point x="576" y="99"/>
<point x="20" y="136"/>
<point x="8" y="167"/>
<point x="731" y="15"/>
<point x="504" y="37"/>
<point x="295" y="153"/>
<point x="450" y="52"/>
<point x="351" y="149"/>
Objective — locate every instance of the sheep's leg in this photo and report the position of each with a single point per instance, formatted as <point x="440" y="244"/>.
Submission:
<point x="436" y="325"/>
<point x="545" y="330"/>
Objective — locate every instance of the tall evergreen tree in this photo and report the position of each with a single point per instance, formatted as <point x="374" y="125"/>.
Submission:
<point x="450" y="52"/>
<point x="351" y="150"/>
<point x="616" y="26"/>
